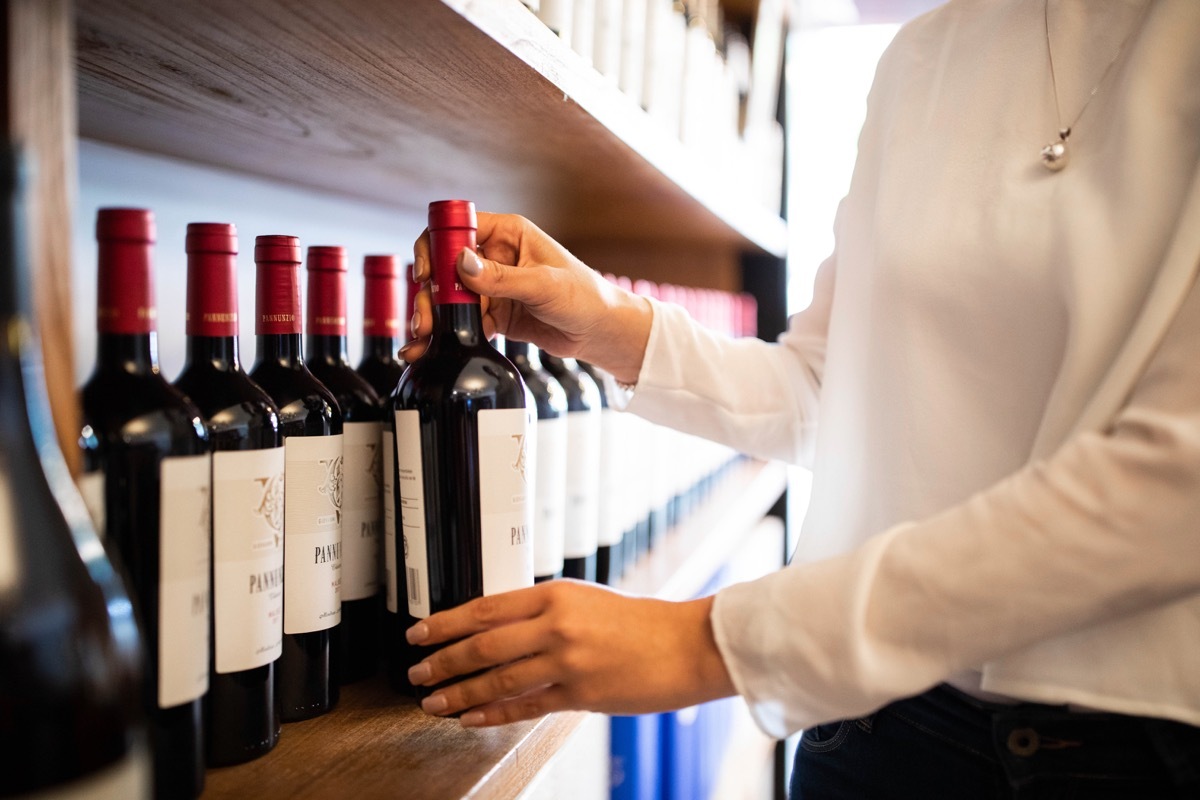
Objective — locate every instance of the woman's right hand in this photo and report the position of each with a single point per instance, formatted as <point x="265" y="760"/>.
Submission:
<point x="533" y="290"/>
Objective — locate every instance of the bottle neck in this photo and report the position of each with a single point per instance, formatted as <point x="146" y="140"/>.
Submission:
<point x="212" y="304"/>
<point x="327" y="348"/>
<point x="283" y="349"/>
<point x="277" y="300"/>
<point x="382" y="348"/>
<point x="382" y="307"/>
<point x="221" y="353"/>
<point x="461" y="322"/>
<point x="135" y="353"/>
<point x="124" y="289"/>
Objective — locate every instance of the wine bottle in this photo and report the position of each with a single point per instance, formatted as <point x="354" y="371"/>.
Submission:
<point x="362" y="462"/>
<point x="310" y="424"/>
<point x="610" y="538"/>
<point x="381" y="365"/>
<point x="241" y="715"/>
<point x="462" y="428"/>
<point x="384" y="323"/>
<point x="654" y="466"/>
<point x="550" y="495"/>
<point x="583" y="466"/>
<point x="70" y="654"/>
<point x="631" y="487"/>
<point x="150" y="443"/>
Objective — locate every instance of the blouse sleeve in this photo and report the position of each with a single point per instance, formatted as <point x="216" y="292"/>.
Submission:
<point x="757" y="397"/>
<point x="1100" y="530"/>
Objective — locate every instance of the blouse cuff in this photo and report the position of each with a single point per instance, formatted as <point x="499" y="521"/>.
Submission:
<point x="620" y="395"/>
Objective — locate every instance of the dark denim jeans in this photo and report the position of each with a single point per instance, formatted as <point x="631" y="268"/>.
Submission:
<point x="946" y="744"/>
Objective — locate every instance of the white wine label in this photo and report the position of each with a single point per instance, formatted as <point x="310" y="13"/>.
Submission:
<point x="127" y="779"/>
<point x="312" y="533"/>
<point x="550" y="497"/>
<point x="583" y="483"/>
<point x="184" y="531"/>
<point x="362" y="509"/>
<point x="389" y="520"/>
<point x="411" y="487"/>
<point x="505" y="507"/>
<point x="611" y="462"/>
<point x="247" y="558"/>
<point x="91" y="487"/>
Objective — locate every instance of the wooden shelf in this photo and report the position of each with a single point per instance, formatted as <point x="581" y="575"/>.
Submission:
<point x="401" y="103"/>
<point x="377" y="743"/>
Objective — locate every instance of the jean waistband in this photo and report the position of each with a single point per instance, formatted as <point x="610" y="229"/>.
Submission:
<point x="1032" y="739"/>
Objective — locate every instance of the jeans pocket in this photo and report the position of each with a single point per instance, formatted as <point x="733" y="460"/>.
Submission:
<point x="826" y="738"/>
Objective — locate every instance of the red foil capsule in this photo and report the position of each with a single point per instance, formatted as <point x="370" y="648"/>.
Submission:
<point x="212" y="300"/>
<point x="125" y="279"/>
<point x="452" y="227"/>
<point x="382" y="306"/>
<point x="277" y="285"/>
<point x="326" y="290"/>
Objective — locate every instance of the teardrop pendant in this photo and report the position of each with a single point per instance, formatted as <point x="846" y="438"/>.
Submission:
<point x="1055" y="155"/>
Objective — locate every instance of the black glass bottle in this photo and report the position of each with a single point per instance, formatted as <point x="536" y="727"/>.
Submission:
<point x="150" y="443"/>
<point x="612" y="531"/>
<point x="550" y="495"/>
<point x="583" y="466"/>
<point x="384" y="322"/>
<point x="357" y="636"/>
<point x="462" y="428"/>
<point x="310" y="424"/>
<point x="70" y="654"/>
<point x="241" y="715"/>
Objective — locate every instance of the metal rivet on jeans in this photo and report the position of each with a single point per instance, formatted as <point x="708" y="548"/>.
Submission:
<point x="1023" y="742"/>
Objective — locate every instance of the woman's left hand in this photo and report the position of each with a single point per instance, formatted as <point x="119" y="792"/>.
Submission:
<point x="568" y="645"/>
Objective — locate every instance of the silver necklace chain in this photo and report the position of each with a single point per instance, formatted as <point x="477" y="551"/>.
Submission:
<point x="1055" y="155"/>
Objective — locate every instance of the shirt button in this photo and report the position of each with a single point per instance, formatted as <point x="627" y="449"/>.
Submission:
<point x="1023" y="742"/>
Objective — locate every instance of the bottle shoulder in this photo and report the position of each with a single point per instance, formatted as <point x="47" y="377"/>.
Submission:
<point x="292" y="386"/>
<point x="476" y="376"/>
<point x="357" y="399"/>
<point x="547" y="392"/>
<point x="582" y="392"/>
<point x="306" y="407"/>
<point x="214" y="390"/>
<point x="384" y="376"/>
<point x="238" y="413"/>
<point x="134" y="409"/>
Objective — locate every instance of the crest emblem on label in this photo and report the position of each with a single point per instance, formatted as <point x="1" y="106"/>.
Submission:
<point x="270" y="504"/>
<point x="331" y="486"/>
<point x="522" y="452"/>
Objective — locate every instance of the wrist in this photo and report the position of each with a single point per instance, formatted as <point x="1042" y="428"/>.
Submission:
<point x="713" y="679"/>
<point x="618" y="346"/>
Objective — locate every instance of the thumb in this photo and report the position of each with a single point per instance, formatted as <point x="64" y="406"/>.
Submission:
<point x="531" y="285"/>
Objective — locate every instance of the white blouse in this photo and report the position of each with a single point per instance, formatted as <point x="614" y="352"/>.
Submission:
<point x="997" y="384"/>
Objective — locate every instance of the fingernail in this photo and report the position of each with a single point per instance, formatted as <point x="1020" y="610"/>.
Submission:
<point x="417" y="633"/>
<point x="407" y="346"/>
<point x="415" y="324"/>
<point x="419" y="673"/>
<point x="472" y="719"/>
<point x="418" y="270"/>
<point x="469" y="263"/>
<point x="435" y="704"/>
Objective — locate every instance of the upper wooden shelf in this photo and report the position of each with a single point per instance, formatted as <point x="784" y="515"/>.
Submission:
<point x="377" y="743"/>
<point x="403" y="103"/>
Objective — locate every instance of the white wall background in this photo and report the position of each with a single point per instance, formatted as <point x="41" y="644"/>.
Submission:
<point x="179" y="192"/>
